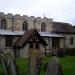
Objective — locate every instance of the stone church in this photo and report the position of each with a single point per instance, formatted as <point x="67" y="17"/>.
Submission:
<point x="59" y="36"/>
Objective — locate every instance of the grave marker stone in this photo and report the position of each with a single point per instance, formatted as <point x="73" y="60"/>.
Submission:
<point x="54" y="67"/>
<point x="34" y="64"/>
<point x="9" y="64"/>
<point x="4" y="65"/>
<point x="13" y="65"/>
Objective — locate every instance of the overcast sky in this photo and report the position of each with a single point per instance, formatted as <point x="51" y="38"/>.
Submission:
<point x="58" y="10"/>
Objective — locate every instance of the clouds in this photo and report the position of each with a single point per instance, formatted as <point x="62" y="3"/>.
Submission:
<point x="59" y="10"/>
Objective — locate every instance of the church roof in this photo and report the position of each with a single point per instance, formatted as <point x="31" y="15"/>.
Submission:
<point x="8" y="32"/>
<point x="49" y="34"/>
<point x="62" y="27"/>
<point x="20" y="33"/>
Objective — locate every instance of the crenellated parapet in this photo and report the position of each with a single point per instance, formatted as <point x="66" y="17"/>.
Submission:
<point x="15" y="22"/>
<point x="18" y="16"/>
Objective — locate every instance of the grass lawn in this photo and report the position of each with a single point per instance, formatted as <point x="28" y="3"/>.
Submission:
<point x="68" y="65"/>
<point x="67" y="62"/>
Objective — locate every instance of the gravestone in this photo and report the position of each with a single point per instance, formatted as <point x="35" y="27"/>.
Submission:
<point x="1" y="51"/>
<point x="4" y="65"/>
<point x="9" y="64"/>
<point x="34" y="64"/>
<point x="13" y="65"/>
<point x="54" y="67"/>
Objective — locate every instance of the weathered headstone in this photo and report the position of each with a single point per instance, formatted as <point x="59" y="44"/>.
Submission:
<point x="34" y="64"/>
<point x="9" y="64"/>
<point x="1" y="51"/>
<point x="13" y="65"/>
<point x="4" y="65"/>
<point x="54" y="67"/>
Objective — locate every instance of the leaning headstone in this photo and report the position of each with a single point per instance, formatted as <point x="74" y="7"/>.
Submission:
<point x="13" y="65"/>
<point x="54" y="67"/>
<point x="1" y="52"/>
<point x="4" y="65"/>
<point x="9" y="64"/>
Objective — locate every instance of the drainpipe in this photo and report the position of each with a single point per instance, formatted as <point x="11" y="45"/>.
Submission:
<point x="1" y="46"/>
<point x="34" y="23"/>
<point x="12" y="24"/>
<point x="45" y="51"/>
<point x="50" y="45"/>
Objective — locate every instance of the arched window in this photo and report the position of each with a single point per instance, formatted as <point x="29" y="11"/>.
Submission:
<point x="25" y="26"/>
<point x="43" y="27"/>
<point x="3" y="24"/>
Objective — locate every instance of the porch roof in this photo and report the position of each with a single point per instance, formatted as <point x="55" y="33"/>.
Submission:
<point x="21" y="41"/>
<point x="20" y="33"/>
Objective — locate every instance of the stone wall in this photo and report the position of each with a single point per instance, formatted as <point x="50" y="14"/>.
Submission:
<point x="67" y="41"/>
<point x="62" y="43"/>
<point x="15" y="22"/>
<point x="2" y="42"/>
<point x="24" y="51"/>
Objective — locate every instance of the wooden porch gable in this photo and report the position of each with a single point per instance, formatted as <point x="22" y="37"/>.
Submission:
<point x="30" y="34"/>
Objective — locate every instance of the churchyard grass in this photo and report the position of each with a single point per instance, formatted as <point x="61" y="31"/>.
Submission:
<point x="68" y="65"/>
<point x="67" y="62"/>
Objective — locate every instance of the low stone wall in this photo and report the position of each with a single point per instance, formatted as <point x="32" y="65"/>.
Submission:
<point x="59" y="52"/>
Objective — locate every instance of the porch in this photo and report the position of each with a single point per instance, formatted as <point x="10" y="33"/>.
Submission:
<point x="56" y="46"/>
<point x="55" y="43"/>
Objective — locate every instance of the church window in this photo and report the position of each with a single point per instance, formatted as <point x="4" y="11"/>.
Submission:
<point x="3" y="24"/>
<point x="25" y="26"/>
<point x="43" y="27"/>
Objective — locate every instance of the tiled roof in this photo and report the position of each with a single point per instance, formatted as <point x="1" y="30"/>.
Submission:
<point x="63" y="27"/>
